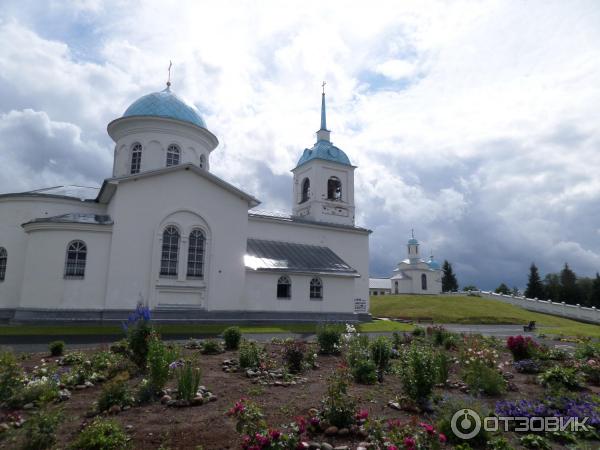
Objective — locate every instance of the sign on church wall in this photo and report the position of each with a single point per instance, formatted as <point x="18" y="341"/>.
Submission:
<point x="360" y="305"/>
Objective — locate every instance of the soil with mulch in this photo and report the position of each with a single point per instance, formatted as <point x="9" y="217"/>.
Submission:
<point x="155" y="425"/>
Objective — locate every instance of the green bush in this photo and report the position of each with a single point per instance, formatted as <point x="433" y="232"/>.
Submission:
<point x="39" y="391"/>
<point x="57" y="348"/>
<point x="101" y="434"/>
<point x="211" y="347"/>
<point x="357" y="349"/>
<point x="115" y="392"/>
<point x="294" y="354"/>
<point x="559" y="377"/>
<point x="364" y="371"/>
<point x="535" y="441"/>
<point x="159" y="358"/>
<point x="499" y="443"/>
<point x="11" y="376"/>
<point x="188" y="381"/>
<point x="444" y="424"/>
<point x="232" y="337"/>
<point x="70" y="359"/>
<point x="381" y="352"/>
<point x="40" y="430"/>
<point x="484" y="379"/>
<point x="338" y="407"/>
<point x="418" y="373"/>
<point x="418" y="332"/>
<point x="442" y="365"/>
<point x="250" y="354"/>
<point x="329" y="338"/>
<point x="587" y="350"/>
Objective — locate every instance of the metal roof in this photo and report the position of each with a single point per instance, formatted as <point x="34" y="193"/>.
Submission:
<point x="97" y="219"/>
<point x="286" y="217"/>
<point x="277" y="256"/>
<point x="380" y="283"/>
<point x="75" y="192"/>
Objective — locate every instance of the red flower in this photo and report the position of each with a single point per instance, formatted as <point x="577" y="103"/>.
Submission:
<point x="409" y="443"/>
<point x="427" y="427"/>
<point x="275" y="434"/>
<point x="443" y="438"/>
<point x="362" y="415"/>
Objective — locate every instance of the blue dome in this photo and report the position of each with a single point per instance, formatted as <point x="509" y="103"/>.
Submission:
<point x="165" y="104"/>
<point x="412" y="241"/>
<point x="324" y="150"/>
<point x="433" y="264"/>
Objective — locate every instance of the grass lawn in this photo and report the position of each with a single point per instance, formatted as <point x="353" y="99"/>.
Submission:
<point x="81" y="330"/>
<point x="474" y="310"/>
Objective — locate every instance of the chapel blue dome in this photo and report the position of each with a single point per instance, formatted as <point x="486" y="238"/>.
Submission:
<point x="165" y="104"/>
<point x="433" y="264"/>
<point x="324" y="150"/>
<point x="412" y="241"/>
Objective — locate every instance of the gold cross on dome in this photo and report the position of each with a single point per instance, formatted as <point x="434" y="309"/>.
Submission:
<point x="323" y="86"/>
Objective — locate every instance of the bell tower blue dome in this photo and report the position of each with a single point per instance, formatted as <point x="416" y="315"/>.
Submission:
<point x="165" y="104"/>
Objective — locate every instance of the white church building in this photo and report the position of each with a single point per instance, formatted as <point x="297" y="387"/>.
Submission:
<point x="166" y="232"/>
<point x="413" y="275"/>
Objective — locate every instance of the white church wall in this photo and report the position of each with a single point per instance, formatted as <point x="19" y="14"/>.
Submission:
<point x="16" y="210"/>
<point x="139" y="207"/>
<point x="261" y="294"/>
<point x="351" y="246"/>
<point x="46" y="286"/>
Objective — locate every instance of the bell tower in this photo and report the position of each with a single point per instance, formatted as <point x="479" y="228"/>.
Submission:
<point x="324" y="180"/>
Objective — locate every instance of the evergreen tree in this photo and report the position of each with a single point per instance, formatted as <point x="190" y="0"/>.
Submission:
<point x="552" y="287"/>
<point x="569" y="291"/>
<point x="449" y="282"/>
<point x="535" y="288"/>
<point x="503" y="289"/>
<point x="595" y="297"/>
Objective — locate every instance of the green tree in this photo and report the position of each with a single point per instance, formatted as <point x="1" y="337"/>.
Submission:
<point x="503" y="289"/>
<point x="585" y="285"/>
<point x="449" y="282"/>
<point x="535" y="288"/>
<point x="552" y="287"/>
<point x="595" y="297"/>
<point x="568" y="286"/>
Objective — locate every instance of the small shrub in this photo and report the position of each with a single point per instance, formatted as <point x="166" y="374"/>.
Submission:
<point x="57" y="348"/>
<point x="232" y="337"/>
<point x="338" y="407"/>
<point x="329" y="337"/>
<point x="39" y="391"/>
<point x="114" y="393"/>
<point x="498" y="443"/>
<point x="211" y="347"/>
<point x="418" y="332"/>
<point x="437" y="334"/>
<point x="521" y="347"/>
<point x="73" y="358"/>
<point x="145" y="393"/>
<point x="101" y="434"/>
<point x="364" y="371"/>
<point x="535" y="441"/>
<point x="442" y="365"/>
<point x="159" y="358"/>
<point x="444" y="424"/>
<point x="484" y="379"/>
<point x="188" y="381"/>
<point x="450" y="341"/>
<point x="418" y="373"/>
<point x="139" y="330"/>
<point x="40" y="430"/>
<point x="294" y="355"/>
<point x="11" y="376"/>
<point x="591" y="370"/>
<point x="381" y="351"/>
<point x="357" y="349"/>
<point x="559" y="377"/>
<point x="250" y="355"/>
<point x="587" y="350"/>
<point x="120" y="347"/>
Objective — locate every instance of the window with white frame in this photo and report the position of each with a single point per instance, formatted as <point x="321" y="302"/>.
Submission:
<point x="136" y="158"/>
<point x="305" y="190"/>
<point x="316" y="289"/>
<point x="75" y="260"/>
<point x="334" y="189"/>
<point x="202" y="162"/>
<point x="3" y="261"/>
<point x="173" y="155"/>
<point x="195" y="264"/>
<point x="169" y="252"/>
<point x="284" y="287"/>
<point x="423" y="282"/>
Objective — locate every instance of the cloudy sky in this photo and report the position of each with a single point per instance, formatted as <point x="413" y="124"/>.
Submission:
<point x="477" y="123"/>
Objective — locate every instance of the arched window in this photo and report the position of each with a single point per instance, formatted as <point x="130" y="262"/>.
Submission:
<point x="284" y="287"/>
<point x="316" y="289"/>
<point x="136" y="157"/>
<point x="195" y="264"/>
<point x="3" y="260"/>
<point x="170" y="252"/>
<point x="173" y="155"/>
<point x="75" y="262"/>
<point x="334" y="189"/>
<point x="305" y="190"/>
<point x="202" y="162"/>
<point x="424" y="282"/>
<point x="395" y="287"/>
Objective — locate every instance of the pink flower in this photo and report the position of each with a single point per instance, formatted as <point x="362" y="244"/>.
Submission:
<point x="275" y="434"/>
<point x="409" y="443"/>
<point x="427" y="427"/>
<point x="443" y="438"/>
<point x="362" y="415"/>
<point x="392" y="447"/>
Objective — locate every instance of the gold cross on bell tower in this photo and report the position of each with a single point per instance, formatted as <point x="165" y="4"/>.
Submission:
<point x="169" y="79"/>
<point x="323" y="86"/>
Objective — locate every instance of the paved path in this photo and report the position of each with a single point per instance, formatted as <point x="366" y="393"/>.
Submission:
<point x="40" y="343"/>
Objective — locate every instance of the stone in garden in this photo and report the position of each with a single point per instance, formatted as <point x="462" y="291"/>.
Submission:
<point x="129" y="427"/>
<point x="364" y="445"/>
<point x="312" y="412"/>
<point x="395" y="405"/>
<point x="326" y="446"/>
<point x="341" y="447"/>
<point x="126" y="407"/>
<point x="28" y="406"/>
<point x="114" y="409"/>
<point x="88" y="384"/>
<point x="343" y="432"/>
<point x="4" y="427"/>
<point x="64" y="395"/>
<point x="171" y="402"/>
<point x="362" y="433"/>
<point x="508" y="376"/>
<point x="314" y="446"/>
<point x="212" y="398"/>
<point x="197" y="401"/>
<point x="331" y="431"/>
<point x="165" y="399"/>
<point x="80" y="387"/>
